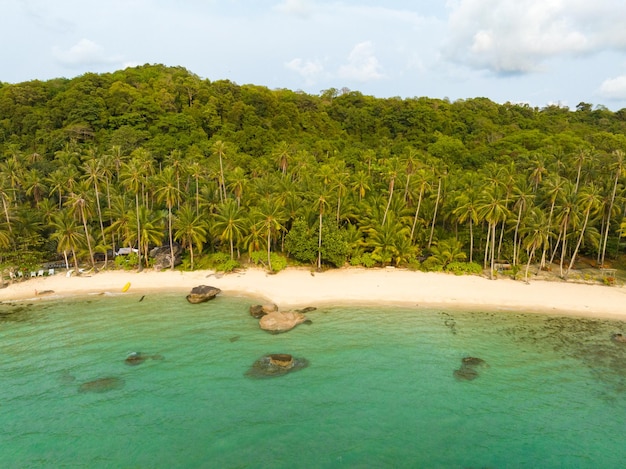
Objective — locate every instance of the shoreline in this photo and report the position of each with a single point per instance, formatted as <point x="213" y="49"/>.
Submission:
<point x="299" y="287"/>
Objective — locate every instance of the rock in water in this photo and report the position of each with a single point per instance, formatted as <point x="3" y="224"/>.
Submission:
<point x="202" y="293"/>
<point x="275" y="364"/>
<point x="102" y="385"/>
<point x="277" y="322"/>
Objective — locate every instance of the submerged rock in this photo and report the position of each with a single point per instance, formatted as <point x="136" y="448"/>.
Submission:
<point x="275" y="364"/>
<point x="202" y="293"/>
<point x="619" y="338"/>
<point x="468" y="370"/>
<point x="137" y="358"/>
<point x="102" y="385"/>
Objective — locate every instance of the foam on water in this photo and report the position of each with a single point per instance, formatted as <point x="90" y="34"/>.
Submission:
<point x="379" y="391"/>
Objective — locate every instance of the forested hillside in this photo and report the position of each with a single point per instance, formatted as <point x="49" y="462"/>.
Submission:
<point x="154" y="155"/>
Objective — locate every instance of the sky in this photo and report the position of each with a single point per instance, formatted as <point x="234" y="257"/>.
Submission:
<point x="538" y="52"/>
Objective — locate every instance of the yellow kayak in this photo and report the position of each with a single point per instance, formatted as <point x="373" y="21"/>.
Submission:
<point x="126" y="287"/>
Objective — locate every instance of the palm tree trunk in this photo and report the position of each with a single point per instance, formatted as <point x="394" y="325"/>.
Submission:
<point x="319" y="245"/>
<point x="169" y="229"/>
<point x="580" y="240"/>
<point x="432" y="228"/>
<point x="139" y="264"/>
<point x="417" y="211"/>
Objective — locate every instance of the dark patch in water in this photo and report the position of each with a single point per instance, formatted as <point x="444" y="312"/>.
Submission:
<point x="234" y="338"/>
<point x="102" y="385"/>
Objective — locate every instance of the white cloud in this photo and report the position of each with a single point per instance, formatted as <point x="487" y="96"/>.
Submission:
<point x="517" y="36"/>
<point x="613" y="88"/>
<point x="84" y="52"/>
<point x="302" y="8"/>
<point x="362" y="64"/>
<point x="309" y="69"/>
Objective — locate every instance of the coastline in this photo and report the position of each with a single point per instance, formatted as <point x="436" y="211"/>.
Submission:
<point x="298" y="287"/>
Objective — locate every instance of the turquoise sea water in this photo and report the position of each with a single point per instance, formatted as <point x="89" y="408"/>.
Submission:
<point x="380" y="389"/>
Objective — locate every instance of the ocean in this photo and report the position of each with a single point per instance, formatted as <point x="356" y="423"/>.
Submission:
<point x="384" y="387"/>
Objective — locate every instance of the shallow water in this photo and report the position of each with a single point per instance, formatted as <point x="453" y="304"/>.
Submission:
<point x="380" y="389"/>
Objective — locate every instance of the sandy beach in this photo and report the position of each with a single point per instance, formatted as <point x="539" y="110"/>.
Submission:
<point x="297" y="287"/>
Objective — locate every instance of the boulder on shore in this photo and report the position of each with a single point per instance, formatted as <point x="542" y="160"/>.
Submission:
<point x="162" y="256"/>
<point x="258" y="311"/>
<point x="277" y="322"/>
<point x="202" y="293"/>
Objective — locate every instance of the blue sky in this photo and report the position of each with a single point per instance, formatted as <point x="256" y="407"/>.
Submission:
<point x="538" y="52"/>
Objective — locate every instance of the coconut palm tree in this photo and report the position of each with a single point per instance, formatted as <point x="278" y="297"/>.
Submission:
<point x="588" y="199"/>
<point x="219" y="149"/>
<point x="67" y="233"/>
<point x="617" y="167"/>
<point x="190" y="229"/>
<point x="78" y="202"/>
<point x="535" y="233"/>
<point x="131" y="177"/>
<point x="167" y="191"/>
<point x="229" y="224"/>
<point x="493" y="210"/>
<point x="271" y="218"/>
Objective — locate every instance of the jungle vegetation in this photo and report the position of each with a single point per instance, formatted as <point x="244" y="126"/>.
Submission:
<point x="153" y="155"/>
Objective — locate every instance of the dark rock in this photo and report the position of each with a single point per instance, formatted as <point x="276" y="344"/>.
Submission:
<point x="468" y="370"/>
<point x="135" y="358"/>
<point x="473" y="361"/>
<point x="162" y="256"/>
<point x="308" y="309"/>
<point x="102" y="385"/>
<point x="202" y="293"/>
<point x="275" y="364"/>
<point x="258" y="311"/>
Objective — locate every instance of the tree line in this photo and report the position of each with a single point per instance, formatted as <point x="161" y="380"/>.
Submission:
<point x="154" y="155"/>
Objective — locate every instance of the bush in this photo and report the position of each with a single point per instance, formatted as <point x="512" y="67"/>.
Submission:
<point x="260" y="258"/>
<point x="432" y="264"/>
<point x="127" y="262"/>
<point x="463" y="268"/>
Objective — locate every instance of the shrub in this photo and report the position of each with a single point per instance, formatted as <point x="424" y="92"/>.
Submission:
<point x="432" y="264"/>
<point x="462" y="268"/>
<point x="260" y="258"/>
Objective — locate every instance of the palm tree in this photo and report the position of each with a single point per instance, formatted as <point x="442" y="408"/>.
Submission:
<point x="271" y="217"/>
<point x="492" y="209"/>
<point x="151" y="224"/>
<point x="466" y="210"/>
<point x="523" y="198"/>
<point x="320" y="204"/>
<point x="536" y="234"/>
<point x="588" y="199"/>
<point x="78" y="202"/>
<point x="189" y="229"/>
<point x="67" y="234"/>
<point x="131" y="177"/>
<point x="93" y="170"/>
<point x="618" y="169"/>
<point x="229" y="224"/>
<point x="219" y="150"/>
<point x="167" y="191"/>
<point x="360" y="183"/>
<point x="281" y="153"/>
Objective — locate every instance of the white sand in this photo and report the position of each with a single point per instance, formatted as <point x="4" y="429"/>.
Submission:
<point x="300" y="287"/>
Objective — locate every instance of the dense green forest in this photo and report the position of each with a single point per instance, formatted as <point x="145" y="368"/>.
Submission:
<point x="155" y="155"/>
